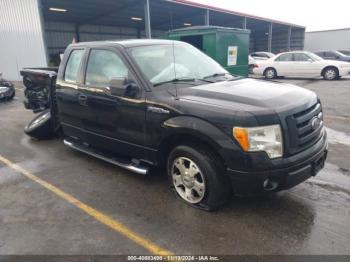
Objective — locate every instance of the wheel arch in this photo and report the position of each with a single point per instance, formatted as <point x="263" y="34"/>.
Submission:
<point x="186" y="130"/>
<point x="329" y="66"/>
<point x="270" y="67"/>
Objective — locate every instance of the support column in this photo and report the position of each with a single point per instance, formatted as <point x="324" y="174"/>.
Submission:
<point x="138" y="33"/>
<point x="289" y="38"/>
<point x="147" y="20"/>
<point x="77" y="34"/>
<point x="207" y="17"/>
<point x="244" y="23"/>
<point x="269" y="43"/>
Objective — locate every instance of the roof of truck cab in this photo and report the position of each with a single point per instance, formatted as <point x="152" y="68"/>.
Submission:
<point x="126" y="43"/>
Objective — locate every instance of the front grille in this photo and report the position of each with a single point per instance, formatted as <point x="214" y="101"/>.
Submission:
<point x="305" y="128"/>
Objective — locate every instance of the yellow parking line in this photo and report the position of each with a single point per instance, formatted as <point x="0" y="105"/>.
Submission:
<point x="101" y="217"/>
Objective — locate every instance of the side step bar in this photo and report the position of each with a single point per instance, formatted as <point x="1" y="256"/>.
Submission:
<point x="129" y="166"/>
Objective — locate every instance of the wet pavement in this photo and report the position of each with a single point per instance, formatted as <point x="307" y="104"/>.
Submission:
<point x="312" y="218"/>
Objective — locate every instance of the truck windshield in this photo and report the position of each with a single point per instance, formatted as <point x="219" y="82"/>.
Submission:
<point x="173" y="63"/>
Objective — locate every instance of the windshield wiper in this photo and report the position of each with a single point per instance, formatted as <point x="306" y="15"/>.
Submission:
<point x="179" y="80"/>
<point x="215" y="75"/>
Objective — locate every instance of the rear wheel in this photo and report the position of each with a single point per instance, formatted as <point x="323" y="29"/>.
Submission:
<point x="198" y="177"/>
<point x="270" y="73"/>
<point x="330" y="73"/>
<point x="12" y="95"/>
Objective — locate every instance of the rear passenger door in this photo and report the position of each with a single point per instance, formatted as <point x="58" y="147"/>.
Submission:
<point x="116" y="120"/>
<point x="284" y="64"/>
<point x="67" y="92"/>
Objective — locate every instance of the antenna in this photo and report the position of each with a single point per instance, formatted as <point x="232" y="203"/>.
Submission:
<point x="174" y="62"/>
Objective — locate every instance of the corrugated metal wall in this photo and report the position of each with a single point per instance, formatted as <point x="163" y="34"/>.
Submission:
<point x="328" y="40"/>
<point x="21" y="38"/>
<point x="59" y="35"/>
<point x="259" y="40"/>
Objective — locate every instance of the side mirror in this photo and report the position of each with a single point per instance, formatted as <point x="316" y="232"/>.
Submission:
<point x="123" y="87"/>
<point x="117" y="86"/>
<point x="310" y="60"/>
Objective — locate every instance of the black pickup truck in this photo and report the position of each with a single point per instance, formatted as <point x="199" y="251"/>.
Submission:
<point x="144" y="103"/>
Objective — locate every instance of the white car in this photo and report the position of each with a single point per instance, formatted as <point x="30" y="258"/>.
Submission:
<point x="301" y="64"/>
<point x="262" y="55"/>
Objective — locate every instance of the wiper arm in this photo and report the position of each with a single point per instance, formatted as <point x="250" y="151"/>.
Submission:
<point x="215" y="75"/>
<point x="176" y="80"/>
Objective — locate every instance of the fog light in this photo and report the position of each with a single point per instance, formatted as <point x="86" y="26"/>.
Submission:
<point x="269" y="185"/>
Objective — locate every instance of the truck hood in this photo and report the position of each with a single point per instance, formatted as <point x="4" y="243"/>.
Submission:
<point x="248" y="95"/>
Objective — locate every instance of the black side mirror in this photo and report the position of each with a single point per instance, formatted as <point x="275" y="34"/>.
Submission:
<point x="123" y="87"/>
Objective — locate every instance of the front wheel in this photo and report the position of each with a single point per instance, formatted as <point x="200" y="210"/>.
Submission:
<point x="198" y="177"/>
<point x="330" y="73"/>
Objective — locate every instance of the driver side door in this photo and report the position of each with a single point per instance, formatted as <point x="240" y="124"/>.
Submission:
<point x="116" y="118"/>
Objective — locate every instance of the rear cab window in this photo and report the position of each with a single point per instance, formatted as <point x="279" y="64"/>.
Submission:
<point x="73" y="65"/>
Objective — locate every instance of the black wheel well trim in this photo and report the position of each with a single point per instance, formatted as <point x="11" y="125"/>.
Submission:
<point x="188" y="135"/>
<point x="187" y="138"/>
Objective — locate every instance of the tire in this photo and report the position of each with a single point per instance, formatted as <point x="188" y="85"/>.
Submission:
<point x="41" y="126"/>
<point x="11" y="96"/>
<point x="207" y="187"/>
<point x="270" y="73"/>
<point x="330" y="73"/>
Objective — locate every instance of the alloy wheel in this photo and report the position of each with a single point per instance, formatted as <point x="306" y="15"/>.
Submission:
<point x="188" y="180"/>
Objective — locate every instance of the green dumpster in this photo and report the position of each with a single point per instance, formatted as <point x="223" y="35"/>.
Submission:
<point x="228" y="46"/>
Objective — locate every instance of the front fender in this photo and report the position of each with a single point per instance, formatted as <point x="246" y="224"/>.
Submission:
<point x="203" y="130"/>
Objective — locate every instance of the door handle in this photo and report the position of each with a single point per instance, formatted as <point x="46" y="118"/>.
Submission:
<point x="82" y="99"/>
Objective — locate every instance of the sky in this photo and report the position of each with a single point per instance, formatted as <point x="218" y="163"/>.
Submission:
<point x="315" y="15"/>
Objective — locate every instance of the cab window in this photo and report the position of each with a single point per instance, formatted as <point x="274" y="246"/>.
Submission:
<point x="103" y="65"/>
<point x="330" y="55"/>
<point x="73" y="66"/>
<point x="300" y="57"/>
<point x="285" y="58"/>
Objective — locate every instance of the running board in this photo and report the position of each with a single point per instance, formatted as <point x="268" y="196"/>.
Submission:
<point x="129" y="166"/>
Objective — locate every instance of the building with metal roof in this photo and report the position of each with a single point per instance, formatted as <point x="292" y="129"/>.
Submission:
<point x="34" y="32"/>
<point x="328" y="40"/>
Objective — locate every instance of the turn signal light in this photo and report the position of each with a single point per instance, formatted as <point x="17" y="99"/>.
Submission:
<point x="241" y="136"/>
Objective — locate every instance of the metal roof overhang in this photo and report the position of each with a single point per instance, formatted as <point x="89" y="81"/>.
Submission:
<point x="165" y="14"/>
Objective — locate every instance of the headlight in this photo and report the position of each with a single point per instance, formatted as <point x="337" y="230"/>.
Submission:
<point x="262" y="138"/>
<point x="4" y="89"/>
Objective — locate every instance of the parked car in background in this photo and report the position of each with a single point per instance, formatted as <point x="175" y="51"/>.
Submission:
<point x="262" y="55"/>
<point x="301" y="64"/>
<point x="335" y="55"/>
<point x="7" y="90"/>
<point x="345" y="52"/>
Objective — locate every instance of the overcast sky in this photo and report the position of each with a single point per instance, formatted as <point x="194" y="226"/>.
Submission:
<point x="315" y="15"/>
